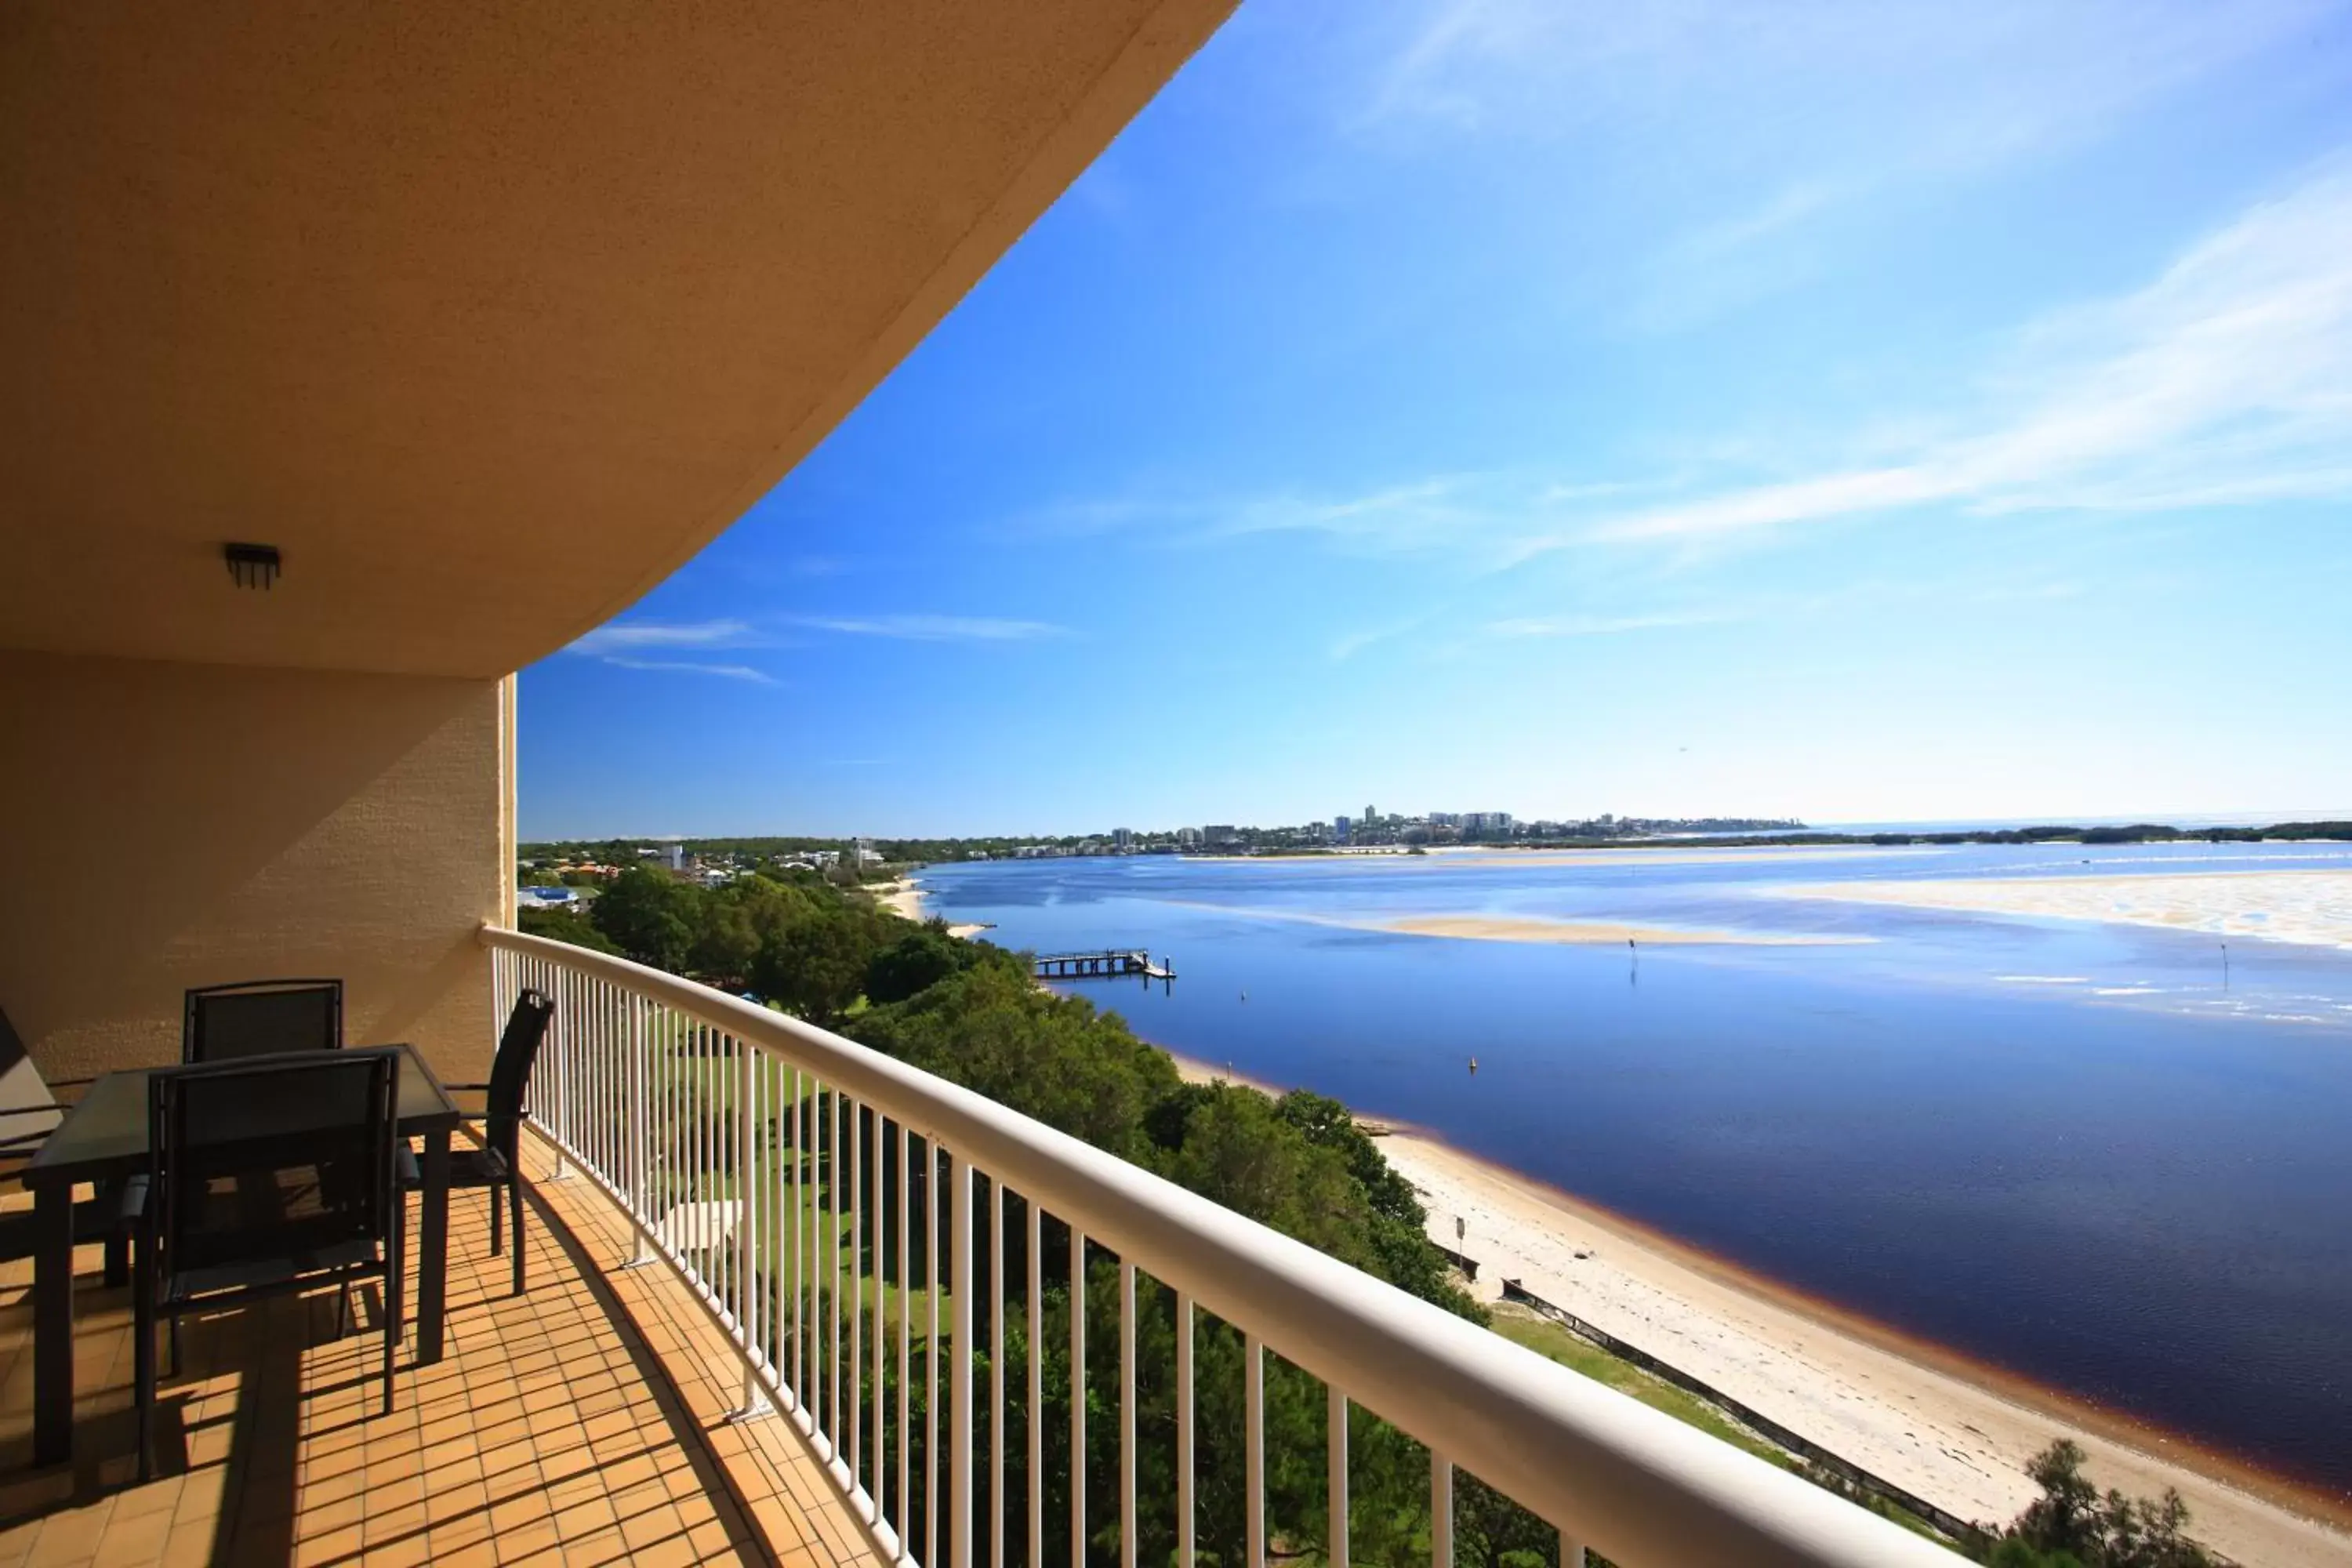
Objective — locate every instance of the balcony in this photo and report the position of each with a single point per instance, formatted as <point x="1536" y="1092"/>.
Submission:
<point x="482" y="360"/>
<point x="583" y="1422"/>
<point x="750" y="1335"/>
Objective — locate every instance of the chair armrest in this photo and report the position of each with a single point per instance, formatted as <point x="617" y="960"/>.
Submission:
<point x="407" y="1173"/>
<point x="473" y="1088"/>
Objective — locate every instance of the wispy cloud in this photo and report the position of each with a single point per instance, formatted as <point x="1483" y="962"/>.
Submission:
<point x="663" y="633"/>
<point x="2226" y="381"/>
<point x="625" y="645"/>
<point x="1939" y="83"/>
<point x="1474" y="521"/>
<point x="1833" y="109"/>
<point x="930" y="628"/>
<point x="1596" y="625"/>
<point x="692" y="667"/>
<point x="1348" y="645"/>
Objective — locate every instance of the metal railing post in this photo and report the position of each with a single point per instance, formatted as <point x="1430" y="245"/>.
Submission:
<point x="756" y="1399"/>
<point x="960" y="1281"/>
<point x="560" y="991"/>
<point x="641" y="1182"/>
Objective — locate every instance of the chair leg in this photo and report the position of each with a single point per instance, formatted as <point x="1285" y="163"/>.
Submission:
<point x="390" y="1338"/>
<point x="343" y="1308"/>
<point x="142" y="1357"/>
<point x="514" y="1197"/>
<point x="172" y="1333"/>
<point x="395" y="1296"/>
<point x="496" y="1224"/>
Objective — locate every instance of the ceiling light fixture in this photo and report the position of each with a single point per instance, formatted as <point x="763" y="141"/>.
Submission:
<point x="252" y="565"/>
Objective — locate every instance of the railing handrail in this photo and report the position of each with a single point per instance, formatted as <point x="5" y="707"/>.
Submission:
<point x="1633" y="1483"/>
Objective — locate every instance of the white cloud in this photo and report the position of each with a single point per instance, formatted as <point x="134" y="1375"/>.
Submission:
<point x="930" y="628"/>
<point x="1818" y="115"/>
<point x="2226" y="381"/>
<point x="1937" y="84"/>
<point x="689" y="666"/>
<point x="1595" y="625"/>
<point x="620" y="635"/>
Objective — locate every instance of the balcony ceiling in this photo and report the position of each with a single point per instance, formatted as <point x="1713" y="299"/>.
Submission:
<point x="489" y="313"/>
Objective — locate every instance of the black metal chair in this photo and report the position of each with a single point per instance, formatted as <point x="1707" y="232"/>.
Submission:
<point x="271" y="1175"/>
<point x="495" y="1164"/>
<point x="261" y="1017"/>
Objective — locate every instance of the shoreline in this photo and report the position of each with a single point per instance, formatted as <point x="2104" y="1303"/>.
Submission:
<point x="904" y="898"/>
<point x="1931" y="1419"/>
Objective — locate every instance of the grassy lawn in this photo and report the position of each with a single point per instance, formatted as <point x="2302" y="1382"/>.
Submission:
<point x="1548" y="1339"/>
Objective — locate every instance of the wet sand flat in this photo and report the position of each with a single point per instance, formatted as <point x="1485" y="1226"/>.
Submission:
<point x="2311" y="908"/>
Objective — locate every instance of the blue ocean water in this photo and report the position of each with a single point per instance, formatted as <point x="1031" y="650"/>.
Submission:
<point x="2072" y="1149"/>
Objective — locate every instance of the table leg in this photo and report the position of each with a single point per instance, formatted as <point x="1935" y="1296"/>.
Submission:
<point x="53" y="1304"/>
<point x="433" y="1252"/>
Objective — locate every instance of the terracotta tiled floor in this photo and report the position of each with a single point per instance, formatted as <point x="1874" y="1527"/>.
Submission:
<point x="583" y="1422"/>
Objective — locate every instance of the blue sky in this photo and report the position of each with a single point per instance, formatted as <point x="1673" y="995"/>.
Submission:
<point x="1857" y="411"/>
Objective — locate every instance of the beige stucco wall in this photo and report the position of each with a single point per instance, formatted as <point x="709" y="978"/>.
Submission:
<point x="178" y="824"/>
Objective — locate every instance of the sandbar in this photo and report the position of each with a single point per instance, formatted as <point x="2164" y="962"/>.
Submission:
<point x="2311" y="908"/>
<point x="1525" y="928"/>
<point x="1948" y="1429"/>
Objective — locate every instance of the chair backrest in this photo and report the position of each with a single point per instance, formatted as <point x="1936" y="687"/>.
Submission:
<point x="510" y="1071"/>
<point x="273" y="1158"/>
<point x="261" y="1017"/>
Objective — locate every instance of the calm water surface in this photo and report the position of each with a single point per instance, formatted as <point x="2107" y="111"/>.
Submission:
<point x="2064" y="1148"/>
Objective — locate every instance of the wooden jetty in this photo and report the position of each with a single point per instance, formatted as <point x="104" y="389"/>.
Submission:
<point x="1111" y="964"/>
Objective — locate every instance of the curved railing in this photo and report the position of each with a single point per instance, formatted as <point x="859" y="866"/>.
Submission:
<point x="722" y="1127"/>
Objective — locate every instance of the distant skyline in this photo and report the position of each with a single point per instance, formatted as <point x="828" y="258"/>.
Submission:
<point x="1859" y="413"/>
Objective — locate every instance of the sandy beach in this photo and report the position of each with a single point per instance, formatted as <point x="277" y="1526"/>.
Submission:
<point x="2312" y="907"/>
<point x="904" y="896"/>
<point x="1928" y="1421"/>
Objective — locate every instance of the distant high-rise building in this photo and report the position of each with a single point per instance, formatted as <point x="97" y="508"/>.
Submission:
<point x="1371" y="816"/>
<point x="1340" y="825"/>
<point x="1220" y="833"/>
<point x="673" y="856"/>
<point x="1122" y="836"/>
<point x="1188" y="835"/>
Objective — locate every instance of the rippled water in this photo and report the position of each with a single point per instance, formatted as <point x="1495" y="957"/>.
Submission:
<point x="2064" y="1148"/>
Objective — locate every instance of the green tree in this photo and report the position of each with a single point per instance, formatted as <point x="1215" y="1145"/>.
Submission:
<point x="564" y="925"/>
<point x="921" y="958"/>
<point x="2071" y="1525"/>
<point x="739" y="921"/>
<point x="651" y="916"/>
<point x="1052" y="1057"/>
<point x="816" y="965"/>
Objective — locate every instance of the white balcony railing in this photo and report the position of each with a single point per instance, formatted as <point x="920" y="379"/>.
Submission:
<point x="714" y="1123"/>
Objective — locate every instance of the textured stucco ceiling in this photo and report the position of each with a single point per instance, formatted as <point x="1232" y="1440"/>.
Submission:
<point x="487" y="312"/>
